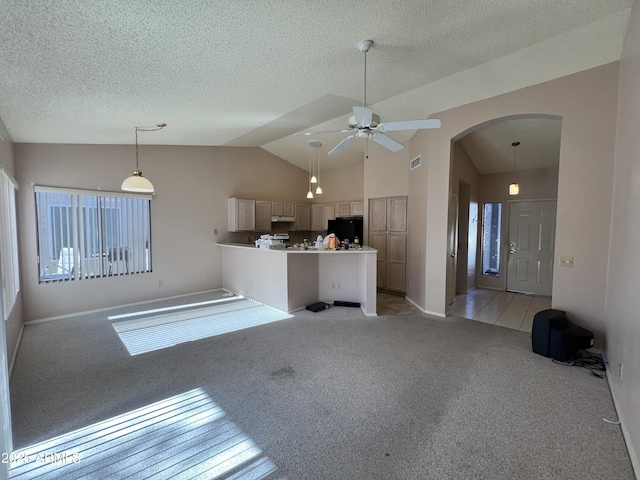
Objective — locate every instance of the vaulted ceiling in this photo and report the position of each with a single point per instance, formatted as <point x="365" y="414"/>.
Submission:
<point x="254" y="73"/>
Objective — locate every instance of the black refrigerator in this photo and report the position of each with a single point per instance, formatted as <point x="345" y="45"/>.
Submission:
<point x="346" y="227"/>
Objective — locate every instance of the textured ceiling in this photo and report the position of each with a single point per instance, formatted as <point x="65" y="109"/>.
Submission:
<point x="253" y="73"/>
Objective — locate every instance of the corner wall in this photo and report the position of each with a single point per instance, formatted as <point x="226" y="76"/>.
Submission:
<point x="585" y="187"/>
<point x="623" y="302"/>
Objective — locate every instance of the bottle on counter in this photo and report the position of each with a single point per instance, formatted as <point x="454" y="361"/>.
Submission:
<point x="305" y="244"/>
<point x="319" y="242"/>
<point x="346" y="244"/>
<point x="356" y="243"/>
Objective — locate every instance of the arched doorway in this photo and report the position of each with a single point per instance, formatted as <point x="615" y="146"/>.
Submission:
<point x="483" y="164"/>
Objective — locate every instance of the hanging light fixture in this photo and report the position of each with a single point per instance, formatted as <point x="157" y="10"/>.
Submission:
<point x="514" y="188"/>
<point x="310" y="193"/>
<point x="136" y="182"/>
<point x="316" y="161"/>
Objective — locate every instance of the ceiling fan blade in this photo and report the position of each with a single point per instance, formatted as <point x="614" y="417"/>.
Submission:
<point x="363" y="116"/>
<point x="300" y="134"/>
<point x="386" y="142"/>
<point x="342" y="145"/>
<point x="409" y="125"/>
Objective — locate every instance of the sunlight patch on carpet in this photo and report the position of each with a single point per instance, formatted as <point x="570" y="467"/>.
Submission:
<point x="161" y="331"/>
<point x="183" y="437"/>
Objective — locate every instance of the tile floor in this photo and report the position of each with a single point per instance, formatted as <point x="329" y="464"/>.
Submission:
<point x="389" y="304"/>
<point x="506" y="309"/>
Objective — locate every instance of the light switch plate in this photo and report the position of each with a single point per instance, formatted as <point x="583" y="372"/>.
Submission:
<point x="566" y="261"/>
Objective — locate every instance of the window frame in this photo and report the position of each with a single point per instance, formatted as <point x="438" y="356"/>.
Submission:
<point x="99" y="242"/>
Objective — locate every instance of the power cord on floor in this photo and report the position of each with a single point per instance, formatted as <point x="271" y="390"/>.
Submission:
<point x="586" y="360"/>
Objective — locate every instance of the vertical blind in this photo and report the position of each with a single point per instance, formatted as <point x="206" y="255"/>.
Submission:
<point x="86" y="234"/>
<point x="8" y="243"/>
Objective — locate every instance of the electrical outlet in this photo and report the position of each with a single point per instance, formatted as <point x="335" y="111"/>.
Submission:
<point x="333" y="285"/>
<point x="215" y="231"/>
<point x="160" y="283"/>
<point x="338" y="285"/>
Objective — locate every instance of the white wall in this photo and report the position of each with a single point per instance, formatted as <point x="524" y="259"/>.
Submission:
<point x="623" y="301"/>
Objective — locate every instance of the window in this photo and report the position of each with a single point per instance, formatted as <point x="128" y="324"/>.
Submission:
<point x="84" y="234"/>
<point x="8" y="243"/>
<point x="492" y="217"/>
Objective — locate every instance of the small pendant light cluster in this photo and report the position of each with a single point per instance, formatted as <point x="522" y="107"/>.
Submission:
<point x="314" y="166"/>
<point x="136" y="182"/>
<point x="514" y="188"/>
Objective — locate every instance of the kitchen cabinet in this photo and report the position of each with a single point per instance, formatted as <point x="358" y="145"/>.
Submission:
<point x="329" y="213"/>
<point x="357" y="209"/>
<point x="317" y="218"/>
<point x="286" y="209"/>
<point x="289" y="209"/>
<point x="303" y="218"/>
<point x="343" y="209"/>
<point x="388" y="235"/>
<point x="242" y="215"/>
<point x="349" y="209"/>
<point x="263" y="216"/>
<point x="276" y="209"/>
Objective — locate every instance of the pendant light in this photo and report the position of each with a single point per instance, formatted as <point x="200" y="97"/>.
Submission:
<point x="310" y="193"/>
<point x="514" y="188"/>
<point x="316" y="160"/>
<point x="136" y="182"/>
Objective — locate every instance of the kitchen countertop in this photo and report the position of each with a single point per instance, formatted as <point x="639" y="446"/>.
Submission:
<point x="296" y="250"/>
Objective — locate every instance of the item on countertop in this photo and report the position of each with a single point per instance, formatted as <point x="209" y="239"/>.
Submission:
<point x="346" y="244"/>
<point x="319" y="242"/>
<point x="356" y="243"/>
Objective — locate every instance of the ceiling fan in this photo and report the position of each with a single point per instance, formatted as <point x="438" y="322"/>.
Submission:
<point x="366" y="124"/>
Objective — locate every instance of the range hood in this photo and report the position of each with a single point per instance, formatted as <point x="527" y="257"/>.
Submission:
<point x="282" y="219"/>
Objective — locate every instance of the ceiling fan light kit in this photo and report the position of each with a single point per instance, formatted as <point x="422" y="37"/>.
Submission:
<point x="364" y="124"/>
<point x="136" y="182"/>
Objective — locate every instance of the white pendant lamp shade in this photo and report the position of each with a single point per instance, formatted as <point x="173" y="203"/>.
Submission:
<point x="136" y="182"/>
<point x="514" y="188"/>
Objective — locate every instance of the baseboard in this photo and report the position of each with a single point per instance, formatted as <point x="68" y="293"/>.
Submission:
<point x="635" y="463"/>
<point x="422" y="309"/>
<point x="98" y="310"/>
<point x="15" y="351"/>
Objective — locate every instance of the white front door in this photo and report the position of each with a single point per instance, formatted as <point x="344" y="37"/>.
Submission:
<point x="532" y="227"/>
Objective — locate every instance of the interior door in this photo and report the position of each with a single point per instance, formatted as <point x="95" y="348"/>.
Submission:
<point x="532" y="227"/>
<point x="452" y="248"/>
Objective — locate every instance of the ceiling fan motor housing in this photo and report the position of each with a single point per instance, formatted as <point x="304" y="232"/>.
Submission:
<point x="375" y="120"/>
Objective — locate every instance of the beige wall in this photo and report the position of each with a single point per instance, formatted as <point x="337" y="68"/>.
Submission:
<point x="584" y="188"/>
<point x="192" y="186"/>
<point x="623" y="301"/>
<point x="14" y="322"/>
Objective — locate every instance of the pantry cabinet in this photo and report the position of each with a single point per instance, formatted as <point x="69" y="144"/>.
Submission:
<point x="388" y="235"/>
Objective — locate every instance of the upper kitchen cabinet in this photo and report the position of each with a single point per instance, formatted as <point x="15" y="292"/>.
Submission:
<point x="263" y="216"/>
<point x="357" y="209"/>
<point x="303" y="218"/>
<point x="283" y="209"/>
<point x="317" y="217"/>
<point x="242" y="215"/>
<point x="343" y="209"/>
<point x="329" y="214"/>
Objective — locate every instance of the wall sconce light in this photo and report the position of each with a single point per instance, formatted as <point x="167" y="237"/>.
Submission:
<point x="514" y="188"/>
<point x="136" y="182"/>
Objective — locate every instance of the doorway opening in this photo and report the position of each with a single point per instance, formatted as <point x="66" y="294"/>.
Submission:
<point x="505" y="243"/>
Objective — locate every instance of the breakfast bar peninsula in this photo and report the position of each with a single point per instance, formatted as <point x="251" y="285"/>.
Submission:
<point x="290" y="279"/>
